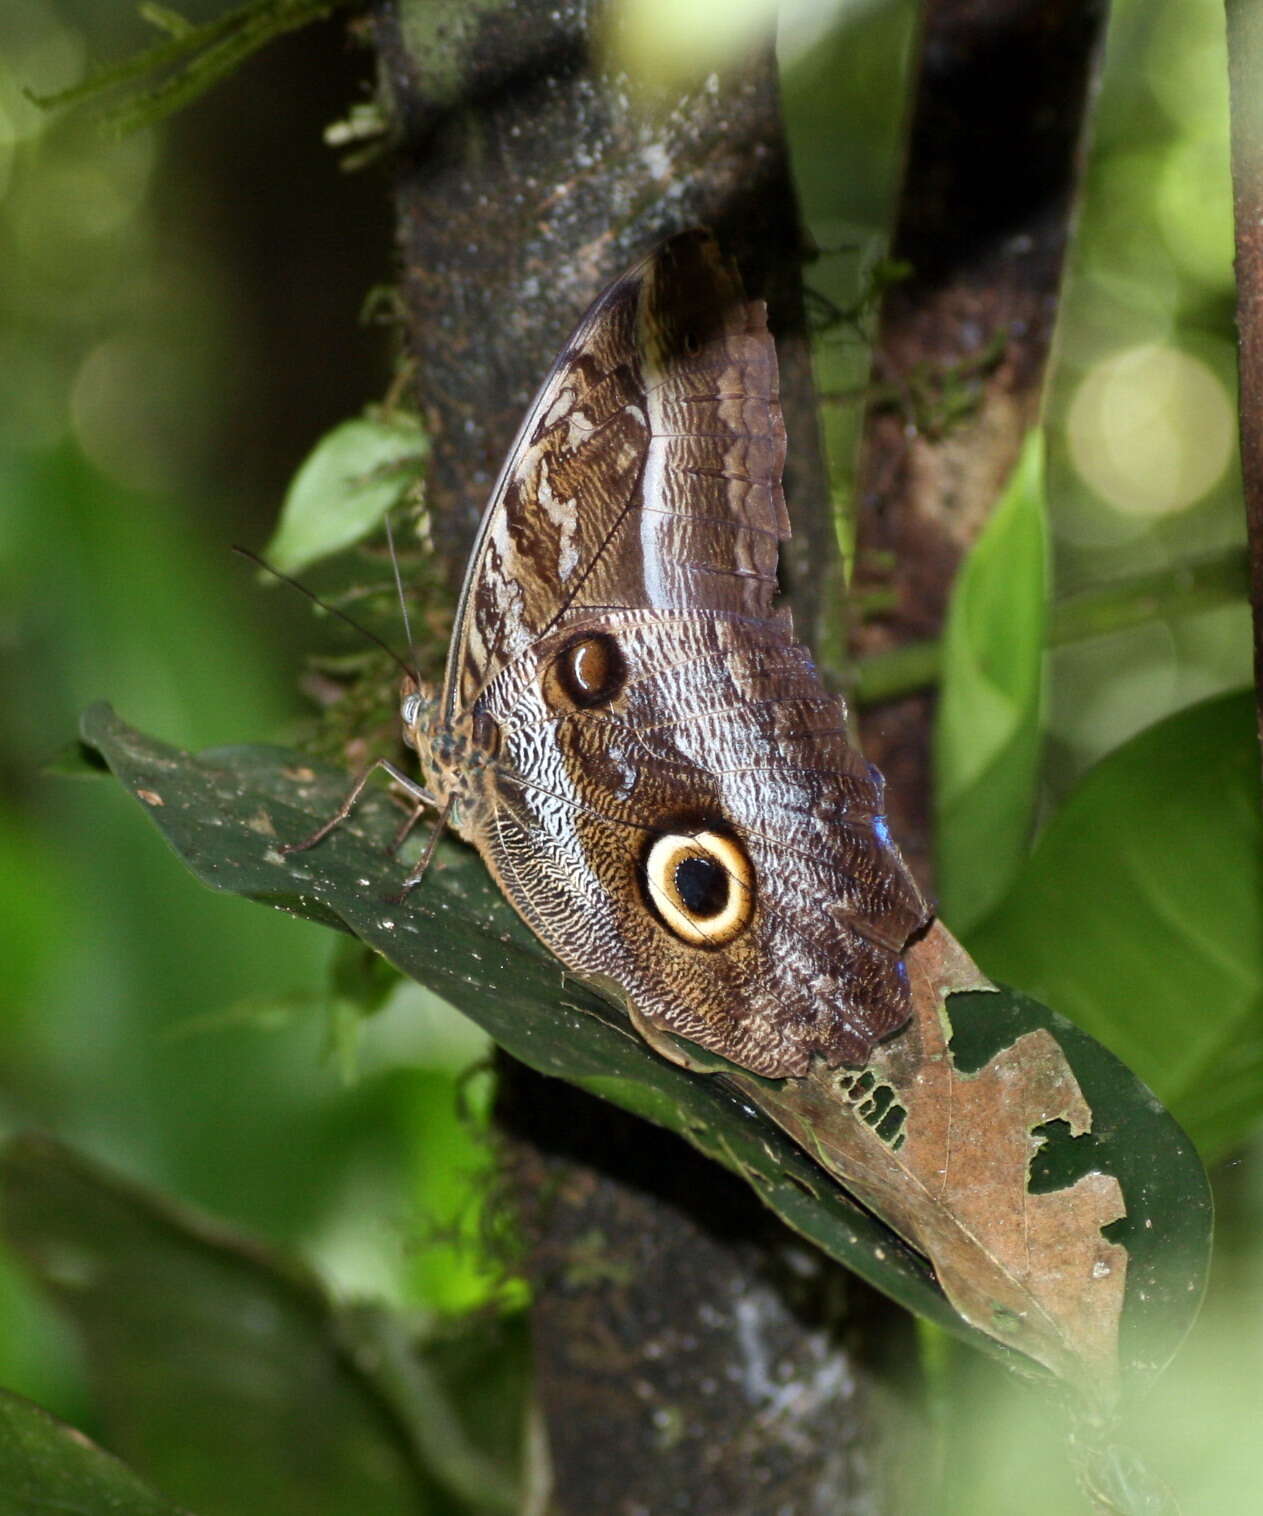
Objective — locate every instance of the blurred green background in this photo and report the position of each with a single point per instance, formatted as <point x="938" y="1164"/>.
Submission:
<point x="179" y="323"/>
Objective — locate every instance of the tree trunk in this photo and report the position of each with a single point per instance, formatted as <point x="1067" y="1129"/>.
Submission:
<point x="691" y="1353"/>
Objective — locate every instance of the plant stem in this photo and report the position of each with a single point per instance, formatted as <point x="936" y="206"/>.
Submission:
<point x="198" y="56"/>
<point x="1184" y="590"/>
<point x="1245" y="54"/>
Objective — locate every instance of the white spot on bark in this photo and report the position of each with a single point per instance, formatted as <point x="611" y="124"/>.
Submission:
<point x="657" y="160"/>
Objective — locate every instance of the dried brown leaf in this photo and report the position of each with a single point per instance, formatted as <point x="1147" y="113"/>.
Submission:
<point x="944" y="1158"/>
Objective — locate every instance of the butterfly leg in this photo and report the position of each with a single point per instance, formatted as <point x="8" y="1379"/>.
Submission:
<point x="408" y="822"/>
<point x="421" y="795"/>
<point x="418" y="871"/>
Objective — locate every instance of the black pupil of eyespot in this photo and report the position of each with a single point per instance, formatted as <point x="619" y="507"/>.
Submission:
<point x="702" y="885"/>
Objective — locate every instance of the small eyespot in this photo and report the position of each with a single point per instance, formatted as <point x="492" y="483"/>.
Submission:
<point x="588" y="672"/>
<point x="690" y="342"/>
<point x="700" y="885"/>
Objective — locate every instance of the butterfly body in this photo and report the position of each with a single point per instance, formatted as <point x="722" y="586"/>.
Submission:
<point x="628" y="732"/>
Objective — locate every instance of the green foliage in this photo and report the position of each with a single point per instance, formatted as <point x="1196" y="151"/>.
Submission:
<point x="225" y="811"/>
<point x="1218" y="581"/>
<point x="990" y="710"/>
<point x="1140" y="913"/>
<point x="192" y="60"/>
<point x="187" y="1036"/>
<point x="47" y="1466"/>
<point x="348" y="482"/>
<point x="217" y="1361"/>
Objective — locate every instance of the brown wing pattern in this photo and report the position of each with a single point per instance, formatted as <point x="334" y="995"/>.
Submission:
<point x="647" y="472"/>
<point x="720" y="725"/>
<point x="642" y="504"/>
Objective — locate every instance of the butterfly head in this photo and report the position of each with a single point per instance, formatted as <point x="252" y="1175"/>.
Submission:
<point x="418" y="710"/>
<point x="454" y="757"/>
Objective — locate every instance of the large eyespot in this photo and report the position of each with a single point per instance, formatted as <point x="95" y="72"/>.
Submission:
<point x="701" y="885"/>
<point x="588" y="672"/>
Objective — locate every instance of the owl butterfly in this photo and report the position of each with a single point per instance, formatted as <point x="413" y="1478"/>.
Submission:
<point x="628" y="733"/>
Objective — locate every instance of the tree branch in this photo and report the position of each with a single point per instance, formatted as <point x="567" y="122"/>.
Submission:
<point x="1245" y="77"/>
<point x="993" y="162"/>
<point x="1184" y="590"/>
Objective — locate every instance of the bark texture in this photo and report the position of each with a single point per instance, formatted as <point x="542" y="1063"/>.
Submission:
<point x="691" y="1355"/>
<point x="529" y="178"/>
<point x="992" y="167"/>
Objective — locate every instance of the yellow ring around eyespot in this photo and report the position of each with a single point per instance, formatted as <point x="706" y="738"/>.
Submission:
<point x="666" y="855"/>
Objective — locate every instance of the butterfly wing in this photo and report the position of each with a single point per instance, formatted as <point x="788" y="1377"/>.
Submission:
<point x="689" y="821"/>
<point x="647" y="473"/>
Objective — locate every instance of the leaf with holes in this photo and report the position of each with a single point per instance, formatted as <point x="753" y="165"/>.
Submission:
<point x="1042" y="1180"/>
<point x="225" y="811"/>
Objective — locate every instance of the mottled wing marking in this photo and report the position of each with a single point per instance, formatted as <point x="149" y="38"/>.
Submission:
<point x="647" y="473"/>
<point x="642" y="500"/>
<point x="726" y="722"/>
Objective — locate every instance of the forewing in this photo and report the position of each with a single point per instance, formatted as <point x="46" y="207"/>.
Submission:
<point x="719" y="724"/>
<point x="647" y="473"/>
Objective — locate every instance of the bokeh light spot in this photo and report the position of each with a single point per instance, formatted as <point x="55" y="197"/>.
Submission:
<point x="130" y="411"/>
<point x="1194" y="206"/>
<point x="667" y="43"/>
<point x="1150" y="429"/>
<point x="663" y="42"/>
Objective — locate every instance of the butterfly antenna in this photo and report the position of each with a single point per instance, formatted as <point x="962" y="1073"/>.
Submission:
<point x="403" y="604"/>
<point x="325" y="606"/>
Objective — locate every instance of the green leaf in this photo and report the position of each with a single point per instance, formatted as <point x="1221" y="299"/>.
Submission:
<point x="47" y="1467"/>
<point x="346" y="484"/>
<point x="987" y="739"/>
<point x="76" y="761"/>
<point x="464" y="1395"/>
<point x="224" y="812"/>
<point x="1141" y="914"/>
<point x="222" y="1371"/>
<point x="222" y="809"/>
